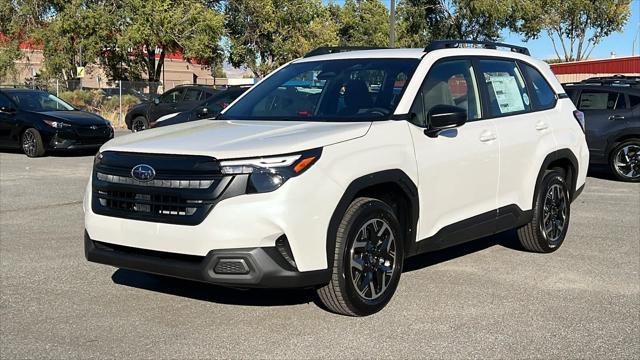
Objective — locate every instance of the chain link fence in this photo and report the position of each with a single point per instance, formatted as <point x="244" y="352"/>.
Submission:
<point x="109" y="99"/>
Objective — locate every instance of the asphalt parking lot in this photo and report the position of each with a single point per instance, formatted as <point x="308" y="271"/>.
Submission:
<point x="486" y="299"/>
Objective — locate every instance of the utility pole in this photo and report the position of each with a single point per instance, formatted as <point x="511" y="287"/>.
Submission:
<point x="392" y="23"/>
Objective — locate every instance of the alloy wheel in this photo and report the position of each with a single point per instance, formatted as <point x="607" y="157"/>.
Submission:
<point x="372" y="259"/>
<point x="29" y="143"/>
<point x="138" y="125"/>
<point x="626" y="162"/>
<point x="554" y="214"/>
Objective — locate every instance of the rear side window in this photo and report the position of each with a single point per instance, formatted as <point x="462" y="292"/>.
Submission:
<point x="505" y="86"/>
<point x="634" y="101"/>
<point x="543" y="95"/>
<point x="601" y="100"/>
<point x="5" y="102"/>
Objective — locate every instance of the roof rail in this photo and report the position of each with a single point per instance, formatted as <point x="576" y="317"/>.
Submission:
<point x="338" y="49"/>
<point x="614" y="80"/>
<point x="448" y="44"/>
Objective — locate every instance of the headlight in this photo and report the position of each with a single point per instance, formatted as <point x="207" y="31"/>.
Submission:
<point x="269" y="173"/>
<point x="57" y="124"/>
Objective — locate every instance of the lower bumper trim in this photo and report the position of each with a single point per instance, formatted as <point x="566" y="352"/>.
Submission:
<point x="264" y="271"/>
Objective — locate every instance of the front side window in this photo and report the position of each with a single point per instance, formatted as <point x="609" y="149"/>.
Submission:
<point x="191" y="95"/>
<point x="449" y="83"/>
<point x="172" y="96"/>
<point x="543" y="95"/>
<point x="39" y="102"/>
<point x="505" y="87"/>
<point x="5" y="102"/>
<point x="331" y="90"/>
<point x="601" y="100"/>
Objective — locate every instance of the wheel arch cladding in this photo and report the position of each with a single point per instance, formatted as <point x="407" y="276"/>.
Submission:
<point x="391" y="186"/>
<point x="564" y="159"/>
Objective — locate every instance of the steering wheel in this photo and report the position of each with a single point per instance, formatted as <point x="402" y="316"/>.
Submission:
<point x="378" y="111"/>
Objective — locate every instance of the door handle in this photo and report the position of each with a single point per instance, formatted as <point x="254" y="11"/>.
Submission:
<point x="487" y="136"/>
<point x="616" y="117"/>
<point x="541" y="125"/>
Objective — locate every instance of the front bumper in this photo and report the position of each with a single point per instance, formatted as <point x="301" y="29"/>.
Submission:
<point x="70" y="140"/>
<point x="250" y="267"/>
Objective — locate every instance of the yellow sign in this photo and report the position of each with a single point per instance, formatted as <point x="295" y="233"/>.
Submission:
<point x="80" y="71"/>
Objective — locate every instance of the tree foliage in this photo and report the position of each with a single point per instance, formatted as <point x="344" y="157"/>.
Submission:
<point x="575" y="27"/>
<point x="363" y="23"/>
<point x="264" y="34"/>
<point x="421" y="21"/>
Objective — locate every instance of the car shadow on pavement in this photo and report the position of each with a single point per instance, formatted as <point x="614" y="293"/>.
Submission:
<point x="279" y="297"/>
<point x="508" y="239"/>
<point x="212" y="293"/>
<point x="600" y="172"/>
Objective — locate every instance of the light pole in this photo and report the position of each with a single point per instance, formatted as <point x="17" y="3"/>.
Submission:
<point x="392" y="23"/>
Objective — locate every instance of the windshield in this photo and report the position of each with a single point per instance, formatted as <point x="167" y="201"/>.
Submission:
<point x="330" y="90"/>
<point x="39" y="102"/>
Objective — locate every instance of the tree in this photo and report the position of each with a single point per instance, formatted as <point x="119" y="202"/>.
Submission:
<point x="421" y="21"/>
<point x="151" y="29"/>
<point x="264" y="34"/>
<point x="363" y="23"/>
<point x="575" y="27"/>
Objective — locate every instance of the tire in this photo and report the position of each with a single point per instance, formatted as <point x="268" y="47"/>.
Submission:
<point x="624" y="161"/>
<point x="139" y="123"/>
<point x="347" y="293"/>
<point x="31" y="143"/>
<point x="547" y="229"/>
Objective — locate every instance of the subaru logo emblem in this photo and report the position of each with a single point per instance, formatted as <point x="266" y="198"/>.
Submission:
<point x="143" y="173"/>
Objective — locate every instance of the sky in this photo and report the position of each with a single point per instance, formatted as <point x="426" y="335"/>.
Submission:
<point x="620" y="43"/>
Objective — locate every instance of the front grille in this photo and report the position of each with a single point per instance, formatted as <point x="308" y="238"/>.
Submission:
<point x="100" y="131"/>
<point x="184" y="190"/>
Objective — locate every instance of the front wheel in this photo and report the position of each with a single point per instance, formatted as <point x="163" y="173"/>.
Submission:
<point x="32" y="144"/>
<point x="548" y="227"/>
<point x="625" y="161"/>
<point x="367" y="262"/>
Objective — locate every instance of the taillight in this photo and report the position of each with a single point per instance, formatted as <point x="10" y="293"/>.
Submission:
<point x="579" y="115"/>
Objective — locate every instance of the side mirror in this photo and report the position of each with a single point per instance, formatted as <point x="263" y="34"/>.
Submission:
<point x="7" y="110"/>
<point x="443" y="117"/>
<point x="203" y="112"/>
<point x="156" y="101"/>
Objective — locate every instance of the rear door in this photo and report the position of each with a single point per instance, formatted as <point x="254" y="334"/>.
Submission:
<point x="605" y="112"/>
<point x="7" y="121"/>
<point x="526" y="135"/>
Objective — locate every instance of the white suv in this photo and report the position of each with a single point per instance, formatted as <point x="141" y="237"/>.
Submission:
<point x="338" y="166"/>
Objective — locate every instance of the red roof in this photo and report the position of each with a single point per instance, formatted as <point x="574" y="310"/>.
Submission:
<point x="622" y="65"/>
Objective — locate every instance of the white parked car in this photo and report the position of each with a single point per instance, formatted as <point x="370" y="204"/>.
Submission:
<point x="340" y="165"/>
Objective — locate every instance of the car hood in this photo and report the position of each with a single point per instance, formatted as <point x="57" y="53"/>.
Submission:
<point x="75" y="117"/>
<point x="224" y="139"/>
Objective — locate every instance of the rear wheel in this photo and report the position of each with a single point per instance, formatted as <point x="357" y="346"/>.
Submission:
<point x="139" y="123"/>
<point x="367" y="262"/>
<point x="625" y="161"/>
<point x="32" y="144"/>
<point x="548" y="227"/>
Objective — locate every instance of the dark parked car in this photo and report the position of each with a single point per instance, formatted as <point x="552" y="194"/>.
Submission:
<point x="178" y="99"/>
<point x="207" y="109"/>
<point x="611" y="106"/>
<point x="37" y="121"/>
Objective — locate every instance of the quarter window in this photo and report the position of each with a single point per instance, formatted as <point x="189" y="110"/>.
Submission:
<point x="601" y="100"/>
<point x="543" y="96"/>
<point x="448" y="83"/>
<point x="505" y="87"/>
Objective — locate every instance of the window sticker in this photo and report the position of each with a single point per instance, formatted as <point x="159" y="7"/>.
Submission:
<point x="507" y="93"/>
<point x="525" y="97"/>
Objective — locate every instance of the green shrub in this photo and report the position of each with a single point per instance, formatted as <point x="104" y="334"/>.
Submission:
<point x="113" y="104"/>
<point x="88" y="100"/>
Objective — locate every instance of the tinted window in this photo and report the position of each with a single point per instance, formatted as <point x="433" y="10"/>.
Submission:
<point x="543" y="95"/>
<point x="332" y="90"/>
<point x="505" y="87"/>
<point x="217" y="103"/>
<point x="191" y="95"/>
<point x="39" y="101"/>
<point x="5" y="102"/>
<point x="172" y="96"/>
<point x="634" y="100"/>
<point x="601" y="100"/>
<point x="450" y="83"/>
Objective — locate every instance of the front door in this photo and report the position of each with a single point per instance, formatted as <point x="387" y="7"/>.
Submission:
<point x="458" y="169"/>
